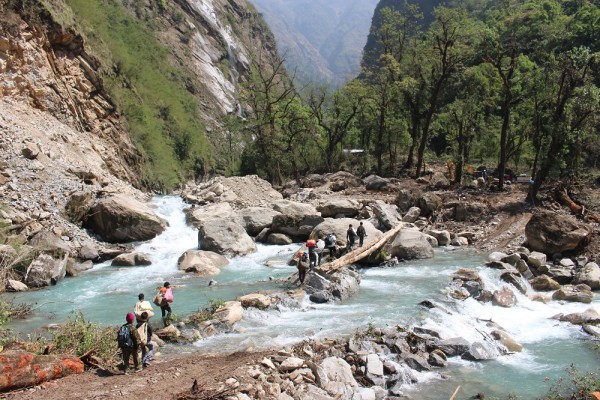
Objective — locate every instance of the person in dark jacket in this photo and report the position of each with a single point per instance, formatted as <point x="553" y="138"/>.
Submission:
<point x="131" y="350"/>
<point x="303" y="264"/>
<point x="361" y="232"/>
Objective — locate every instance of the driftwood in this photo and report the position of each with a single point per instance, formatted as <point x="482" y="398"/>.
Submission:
<point x="359" y="253"/>
<point x="22" y="369"/>
<point x="563" y="198"/>
<point x="455" y="393"/>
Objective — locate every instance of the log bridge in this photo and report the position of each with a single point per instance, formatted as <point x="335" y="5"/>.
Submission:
<point x="359" y="253"/>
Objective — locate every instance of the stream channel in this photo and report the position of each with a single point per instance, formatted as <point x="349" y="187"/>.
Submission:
<point x="387" y="296"/>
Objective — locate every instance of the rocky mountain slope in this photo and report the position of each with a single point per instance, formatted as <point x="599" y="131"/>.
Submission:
<point x="322" y="40"/>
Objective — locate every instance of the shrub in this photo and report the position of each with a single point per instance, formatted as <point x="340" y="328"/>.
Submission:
<point x="79" y="336"/>
<point x="208" y="313"/>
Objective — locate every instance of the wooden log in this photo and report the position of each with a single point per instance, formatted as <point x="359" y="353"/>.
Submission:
<point x="359" y="253"/>
<point x="563" y="198"/>
<point x="22" y="369"/>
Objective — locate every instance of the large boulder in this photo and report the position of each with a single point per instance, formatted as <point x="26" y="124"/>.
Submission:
<point x="590" y="275"/>
<point x="341" y="180"/>
<point x="429" y="203"/>
<point x="339" y="207"/>
<point x="256" y="300"/>
<point x="412" y="215"/>
<point x="575" y="293"/>
<point x="439" y="181"/>
<point x="220" y="230"/>
<point x="407" y="199"/>
<point x="549" y="232"/>
<point x="589" y="316"/>
<point x="225" y="237"/>
<point x="339" y="226"/>
<point x="442" y="236"/>
<point x="387" y="214"/>
<point x="335" y="369"/>
<point x="544" y="283"/>
<point x="45" y="270"/>
<point x="255" y="219"/>
<point x="230" y="312"/>
<point x="50" y="243"/>
<point x="295" y="219"/>
<point x="131" y="260"/>
<point x="504" y="298"/>
<point x="410" y="244"/>
<point x="120" y="218"/>
<point x="339" y="285"/>
<point x="200" y="262"/>
<point x="377" y="183"/>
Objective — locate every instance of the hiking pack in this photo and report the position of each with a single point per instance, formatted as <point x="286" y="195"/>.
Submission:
<point x="124" y="337"/>
<point x="329" y="241"/>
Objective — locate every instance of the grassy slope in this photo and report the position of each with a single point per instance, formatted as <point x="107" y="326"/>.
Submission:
<point x="150" y="92"/>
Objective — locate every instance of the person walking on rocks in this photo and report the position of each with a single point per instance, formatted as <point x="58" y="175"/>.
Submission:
<point x="129" y="341"/>
<point x="302" y="266"/>
<point x="350" y="237"/>
<point x="145" y="331"/>
<point x="143" y="306"/>
<point x="330" y="244"/>
<point x="360" y="231"/>
<point x="165" y="304"/>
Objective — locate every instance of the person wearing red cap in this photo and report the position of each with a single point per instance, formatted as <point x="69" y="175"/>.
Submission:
<point x="129" y="341"/>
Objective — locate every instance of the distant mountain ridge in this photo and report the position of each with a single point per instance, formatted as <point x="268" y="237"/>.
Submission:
<point x="322" y="41"/>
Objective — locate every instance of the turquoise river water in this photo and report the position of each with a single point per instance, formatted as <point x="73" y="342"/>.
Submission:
<point x="387" y="296"/>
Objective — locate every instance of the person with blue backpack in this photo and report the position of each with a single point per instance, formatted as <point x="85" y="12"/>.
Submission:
<point x="129" y="342"/>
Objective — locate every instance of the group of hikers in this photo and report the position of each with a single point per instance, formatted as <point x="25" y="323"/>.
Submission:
<point x="133" y="339"/>
<point x="316" y="248"/>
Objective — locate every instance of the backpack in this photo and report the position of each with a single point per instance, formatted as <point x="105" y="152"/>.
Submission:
<point x="124" y="337"/>
<point x="143" y="331"/>
<point x="329" y="241"/>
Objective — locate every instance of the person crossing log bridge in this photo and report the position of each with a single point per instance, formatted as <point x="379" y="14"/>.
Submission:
<point x="359" y="253"/>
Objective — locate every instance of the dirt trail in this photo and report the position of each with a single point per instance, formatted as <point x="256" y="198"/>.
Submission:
<point x="162" y="380"/>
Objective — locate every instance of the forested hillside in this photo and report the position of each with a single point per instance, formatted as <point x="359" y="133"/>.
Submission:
<point x="321" y="40"/>
<point x="509" y="85"/>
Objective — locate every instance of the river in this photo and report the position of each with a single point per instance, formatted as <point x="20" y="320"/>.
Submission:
<point x="387" y="296"/>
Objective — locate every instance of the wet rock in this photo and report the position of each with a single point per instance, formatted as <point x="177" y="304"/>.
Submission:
<point x="589" y="275"/>
<point x="499" y="265"/>
<point x="496" y="256"/>
<point x="374" y="365"/>
<point x="320" y="297"/>
<point x="523" y="269"/>
<point x="478" y="351"/>
<point x="507" y="341"/>
<point x="200" y="262"/>
<point x="592" y="330"/>
<point x="544" y="283"/>
<point x="120" y="218"/>
<point x="504" y="298"/>
<point x="454" y="346"/>
<point x="417" y="362"/>
<point x="562" y="275"/>
<point x="410" y="244"/>
<point x="589" y="316"/>
<point x="15" y="286"/>
<point x="230" y="313"/>
<point x="225" y="237"/>
<point x="575" y="293"/>
<point x="88" y="252"/>
<point x="515" y="280"/>
<point x="437" y="358"/>
<point x="459" y="241"/>
<point x="549" y="232"/>
<point x="256" y="300"/>
<point x="131" y="260"/>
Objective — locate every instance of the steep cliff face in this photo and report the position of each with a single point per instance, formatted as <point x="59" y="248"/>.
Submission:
<point x="150" y="80"/>
<point x="46" y="67"/>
